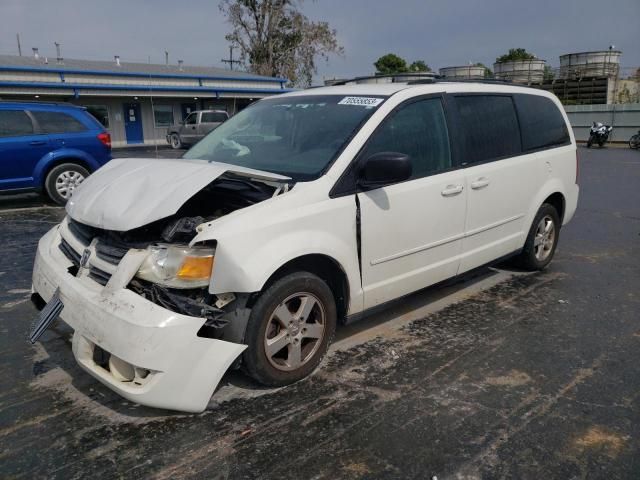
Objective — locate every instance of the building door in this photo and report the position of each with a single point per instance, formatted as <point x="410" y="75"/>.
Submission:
<point x="133" y="123"/>
<point x="187" y="108"/>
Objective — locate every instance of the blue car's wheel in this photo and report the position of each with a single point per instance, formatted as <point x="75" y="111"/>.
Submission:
<point x="63" y="179"/>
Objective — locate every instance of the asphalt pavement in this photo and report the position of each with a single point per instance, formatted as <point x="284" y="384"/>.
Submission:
<point x="501" y="374"/>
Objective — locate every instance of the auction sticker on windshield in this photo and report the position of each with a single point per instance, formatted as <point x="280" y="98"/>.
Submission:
<point x="361" y="101"/>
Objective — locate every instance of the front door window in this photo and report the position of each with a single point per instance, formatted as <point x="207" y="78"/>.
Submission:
<point x="418" y="130"/>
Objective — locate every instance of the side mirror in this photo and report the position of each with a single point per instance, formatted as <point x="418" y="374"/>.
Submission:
<point x="384" y="168"/>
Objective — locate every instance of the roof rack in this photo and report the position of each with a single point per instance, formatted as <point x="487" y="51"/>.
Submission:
<point x="427" y="81"/>
<point x="462" y="80"/>
<point x="392" y="76"/>
<point x="423" y="81"/>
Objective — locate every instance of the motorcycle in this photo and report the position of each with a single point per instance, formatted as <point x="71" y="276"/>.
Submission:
<point x="634" y="142"/>
<point x="599" y="134"/>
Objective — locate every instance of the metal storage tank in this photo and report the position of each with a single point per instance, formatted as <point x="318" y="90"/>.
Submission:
<point x="520" y="71"/>
<point x="463" y="72"/>
<point x="603" y="63"/>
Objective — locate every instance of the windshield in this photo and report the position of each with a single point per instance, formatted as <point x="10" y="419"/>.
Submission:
<point x="297" y="136"/>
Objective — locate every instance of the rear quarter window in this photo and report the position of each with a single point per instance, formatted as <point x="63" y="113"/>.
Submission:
<point x="58" y="122"/>
<point x="541" y="122"/>
<point x="489" y="127"/>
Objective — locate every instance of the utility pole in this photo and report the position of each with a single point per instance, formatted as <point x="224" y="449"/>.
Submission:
<point x="19" y="47"/>
<point x="231" y="61"/>
<point x="59" y="58"/>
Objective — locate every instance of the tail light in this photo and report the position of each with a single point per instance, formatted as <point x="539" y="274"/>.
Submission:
<point x="105" y="138"/>
<point x="577" y="167"/>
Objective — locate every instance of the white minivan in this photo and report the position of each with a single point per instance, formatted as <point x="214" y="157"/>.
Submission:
<point x="301" y="212"/>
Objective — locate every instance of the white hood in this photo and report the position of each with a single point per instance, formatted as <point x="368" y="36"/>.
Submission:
<point x="131" y="192"/>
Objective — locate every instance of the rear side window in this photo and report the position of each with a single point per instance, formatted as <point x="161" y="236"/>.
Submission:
<point x="213" y="117"/>
<point x="419" y="130"/>
<point x="490" y="127"/>
<point x="58" y="122"/>
<point x="541" y="122"/>
<point x="14" y="123"/>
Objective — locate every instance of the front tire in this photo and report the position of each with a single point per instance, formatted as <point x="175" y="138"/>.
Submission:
<point x="62" y="180"/>
<point x="176" y="143"/>
<point x="589" y="142"/>
<point x="542" y="240"/>
<point x="634" y="142"/>
<point x="290" y="328"/>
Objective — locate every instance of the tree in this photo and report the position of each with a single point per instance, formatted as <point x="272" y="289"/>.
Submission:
<point x="488" y="73"/>
<point x="390" y="63"/>
<point x="419" y="66"/>
<point x="275" y="39"/>
<point x="515" y="54"/>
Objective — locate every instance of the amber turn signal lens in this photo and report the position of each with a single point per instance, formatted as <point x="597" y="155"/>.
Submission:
<point x="195" y="268"/>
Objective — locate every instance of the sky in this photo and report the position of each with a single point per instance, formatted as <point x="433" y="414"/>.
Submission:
<point x="444" y="33"/>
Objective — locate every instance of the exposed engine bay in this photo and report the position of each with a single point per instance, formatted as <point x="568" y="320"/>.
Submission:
<point x="224" y="195"/>
<point x="221" y="197"/>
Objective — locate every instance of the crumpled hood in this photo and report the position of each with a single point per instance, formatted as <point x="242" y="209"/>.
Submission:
<point x="131" y="192"/>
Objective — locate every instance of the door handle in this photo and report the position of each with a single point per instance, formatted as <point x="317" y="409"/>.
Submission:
<point x="451" y="190"/>
<point x="480" y="183"/>
<point x="37" y="142"/>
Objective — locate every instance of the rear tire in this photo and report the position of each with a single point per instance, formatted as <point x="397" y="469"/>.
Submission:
<point x="62" y="180"/>
<point x="542" y="240"/>
<point x="589" y="142"/>
<point x="634" y="142"/>
<point x="290" y="328"/>
<point x="176" y="143"/>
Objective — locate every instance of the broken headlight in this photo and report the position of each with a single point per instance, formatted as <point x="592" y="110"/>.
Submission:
<point x="178" y="266"/>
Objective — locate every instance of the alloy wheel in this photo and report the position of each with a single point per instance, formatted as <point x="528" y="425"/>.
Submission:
<point x="67" y="182"/>
<point x="295" y="331"/>
<point x="545" y="238"/>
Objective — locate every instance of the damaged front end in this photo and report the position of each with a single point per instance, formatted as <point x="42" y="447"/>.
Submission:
<point x="175" y="275"/>
<point x="145" y="323"/>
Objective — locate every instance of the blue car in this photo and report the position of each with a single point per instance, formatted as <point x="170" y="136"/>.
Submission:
<point x="49" y="148"/>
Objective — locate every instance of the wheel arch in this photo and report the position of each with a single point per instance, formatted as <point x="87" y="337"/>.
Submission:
<point x="325" y="267"/>
<point x="557" y="201"/>
<point x="52" y="160"/>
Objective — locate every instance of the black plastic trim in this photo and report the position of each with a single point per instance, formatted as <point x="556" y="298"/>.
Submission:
<point x="356" y="317"/>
